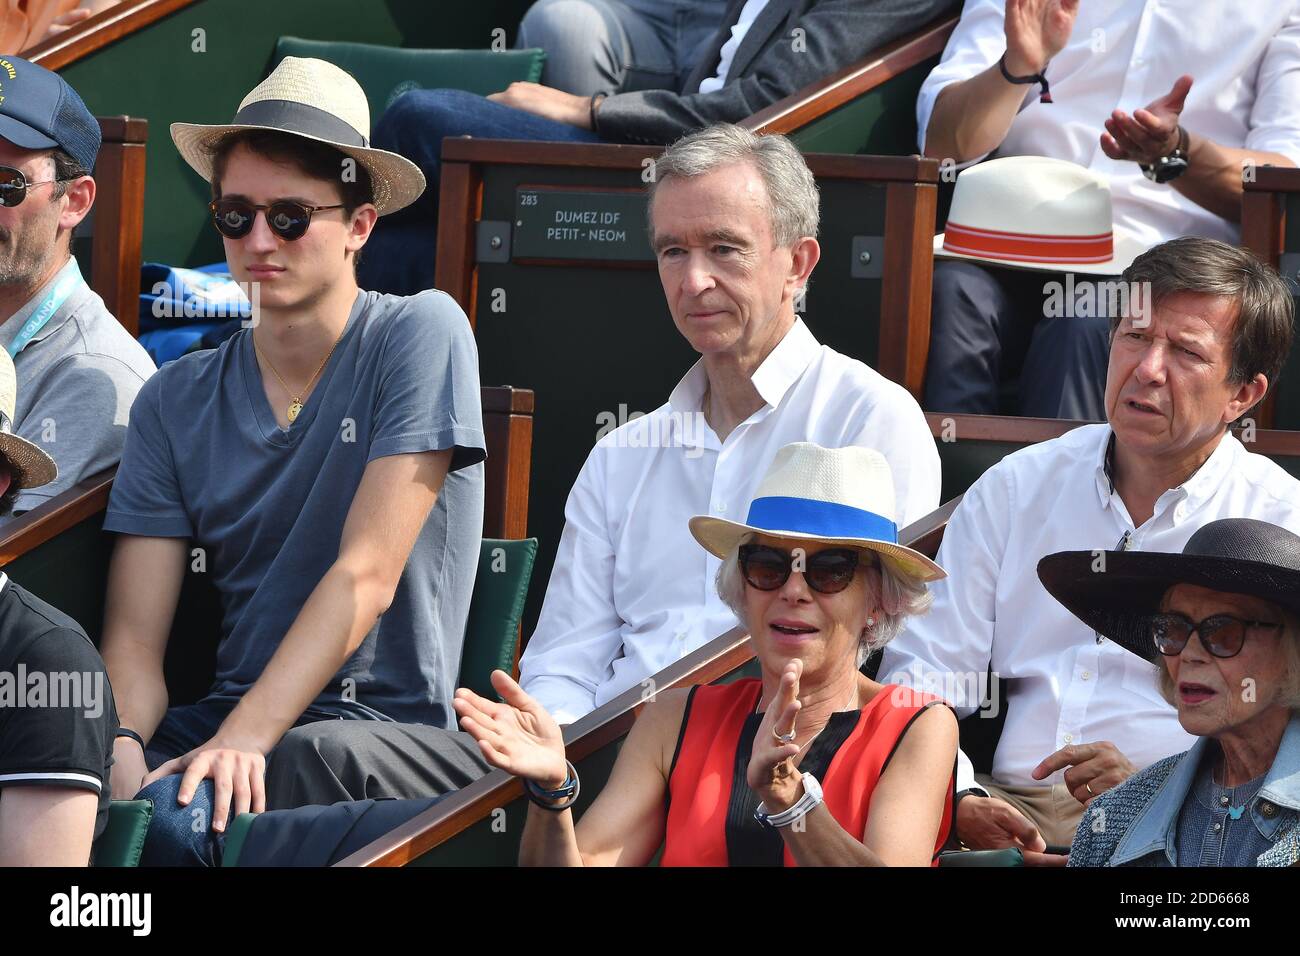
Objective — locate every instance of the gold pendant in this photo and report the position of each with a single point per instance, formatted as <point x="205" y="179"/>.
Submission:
<point x="294" y="409"/>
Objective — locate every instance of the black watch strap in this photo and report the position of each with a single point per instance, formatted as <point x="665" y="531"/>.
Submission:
<point x="1171" y="166"/>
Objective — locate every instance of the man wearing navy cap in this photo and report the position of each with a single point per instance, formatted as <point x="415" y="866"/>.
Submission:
<point x="78" y="369"/>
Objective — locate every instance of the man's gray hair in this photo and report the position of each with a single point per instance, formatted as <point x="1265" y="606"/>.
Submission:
<point x="900" y="596"/>
<point x="793" y="202"/>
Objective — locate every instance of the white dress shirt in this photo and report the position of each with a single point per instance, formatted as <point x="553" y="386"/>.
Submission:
<point x="1064" y="686"/>
<point x="748" y="14"/>
<point x="632" y="591"/>
<point x="1122" y="54"/>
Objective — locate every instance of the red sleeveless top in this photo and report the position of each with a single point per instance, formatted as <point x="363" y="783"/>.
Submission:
<point x="711" y="807"/>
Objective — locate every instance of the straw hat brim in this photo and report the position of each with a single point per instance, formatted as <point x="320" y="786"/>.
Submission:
<point x="32" y="466"/>
<point x="720" y="537"/>
<point x="1126" y="250"/>
<point x="397" y="181"/>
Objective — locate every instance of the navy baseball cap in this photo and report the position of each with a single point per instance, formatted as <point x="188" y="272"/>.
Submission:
<point x="39" y="110"/>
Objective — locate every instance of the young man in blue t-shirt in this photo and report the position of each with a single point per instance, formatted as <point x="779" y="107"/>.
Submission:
<point x="326" y="459"/>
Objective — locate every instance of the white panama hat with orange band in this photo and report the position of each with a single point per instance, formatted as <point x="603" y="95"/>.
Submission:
<point x="1033" y="212"/>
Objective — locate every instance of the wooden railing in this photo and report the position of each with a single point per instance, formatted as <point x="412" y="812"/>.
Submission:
<point x="101" y="30"/>
<point x="818" y="99"/>
<point x="1027" y="431"/>
<point x="117" y="234"/>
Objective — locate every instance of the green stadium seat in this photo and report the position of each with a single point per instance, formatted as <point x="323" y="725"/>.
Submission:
<point x="386" y="72"/>
<point x="495" y="611"/>
<point x="122" y="841"/>
<point x="1008" y="857"/>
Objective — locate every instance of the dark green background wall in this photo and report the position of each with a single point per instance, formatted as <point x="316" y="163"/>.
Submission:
<point x="156" y="74"/>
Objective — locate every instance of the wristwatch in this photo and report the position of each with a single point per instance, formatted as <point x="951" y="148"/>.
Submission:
<point x="812" y="795"/>
<point x="1169" y="167"/>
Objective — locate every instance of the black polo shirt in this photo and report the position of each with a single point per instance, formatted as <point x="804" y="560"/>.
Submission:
<point x="57" y="719"/>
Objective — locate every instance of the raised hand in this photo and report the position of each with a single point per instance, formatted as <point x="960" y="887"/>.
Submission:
<point x="1149" y="133"/>
<point x="772" y="773"/>
<point x="517" y="736"/>
<point x="1036" y="31"/>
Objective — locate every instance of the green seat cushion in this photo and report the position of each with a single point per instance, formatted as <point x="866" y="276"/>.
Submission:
<point x="492" y="630"/>
<point x="235" y="838"/>
<point x="386" y="72"/>
<point x="122" y="841"/>
<point x="1008" y="857"/>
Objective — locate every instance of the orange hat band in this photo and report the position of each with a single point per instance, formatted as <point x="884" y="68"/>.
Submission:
<point x="1026" y="247"/>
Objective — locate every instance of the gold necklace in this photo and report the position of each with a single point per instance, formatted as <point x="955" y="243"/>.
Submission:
<point x="295" y="406"/>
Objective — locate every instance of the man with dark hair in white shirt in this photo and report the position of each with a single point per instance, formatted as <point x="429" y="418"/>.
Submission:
<point x="1082" y="714"/>
<point x="734" y="219"/>
<point x="1175" y="148"/>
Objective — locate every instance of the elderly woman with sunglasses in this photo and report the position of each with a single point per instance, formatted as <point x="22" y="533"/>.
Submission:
<point x="813" y="764"/>
<point x="1226" y="631"/>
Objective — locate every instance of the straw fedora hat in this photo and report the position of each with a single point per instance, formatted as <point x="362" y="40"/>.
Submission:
<point x="1032" y="212"/>
<point x="1234" y="555"/>
<point x="834" y="496"/>
<point x="32" y="467"/>
<point x="318" y="101"/>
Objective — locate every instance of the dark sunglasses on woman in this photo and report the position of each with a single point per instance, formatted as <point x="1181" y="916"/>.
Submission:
<point x="288" y="219"/>
<point x="1222" y="635"/>
<point x="827" y="571"/>
<point x="14" y="185"/>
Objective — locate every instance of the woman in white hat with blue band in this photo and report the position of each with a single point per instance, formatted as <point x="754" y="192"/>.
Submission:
<point x="777" y="770"/>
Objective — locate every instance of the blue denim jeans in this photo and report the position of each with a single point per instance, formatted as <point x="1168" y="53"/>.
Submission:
<point x="399" y="257"/>
<point x="182" y="835"/>
<point x="305" y="836"/>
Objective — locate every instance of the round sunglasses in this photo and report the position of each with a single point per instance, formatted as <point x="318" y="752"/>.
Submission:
<point x="1222" y="635"/>
<point x="14" y="185"/>
<point x="827" y="572"/>
<point x="288" y="219"/>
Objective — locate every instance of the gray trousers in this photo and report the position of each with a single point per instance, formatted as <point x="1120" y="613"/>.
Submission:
<point x="333" y="760"/>
<point x="611" y="46"/>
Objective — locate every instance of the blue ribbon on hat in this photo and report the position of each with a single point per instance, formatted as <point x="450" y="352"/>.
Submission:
<point x="825" y="519"/>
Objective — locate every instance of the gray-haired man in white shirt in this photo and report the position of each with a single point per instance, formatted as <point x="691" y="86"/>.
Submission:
<point x="1083" y="715"/>
<point x="734" y="219"/>
<point x="1173" y="102"/>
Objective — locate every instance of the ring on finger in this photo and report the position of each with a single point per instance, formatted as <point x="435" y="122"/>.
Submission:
<point x="784" y="738"/>
<point x="1088" y="787"/>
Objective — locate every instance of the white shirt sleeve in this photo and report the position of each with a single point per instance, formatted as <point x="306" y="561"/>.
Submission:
<point x="947" y="650"/>
<point x="909" y="448"/>
<point x="954" y="640"/>
<point x="578" y="633"/>
<point x="977" y="42"/>
<point x="1275" y="114"/>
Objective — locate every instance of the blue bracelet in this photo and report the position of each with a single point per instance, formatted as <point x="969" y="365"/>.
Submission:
<point x="568" y="792"/>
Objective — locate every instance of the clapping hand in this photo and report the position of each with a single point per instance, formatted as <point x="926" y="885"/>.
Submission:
<point x="772" y="774"/>
<point x="517" y="736"/>
<point x="1036" y="31"/>
<point x="1149" y="133"/>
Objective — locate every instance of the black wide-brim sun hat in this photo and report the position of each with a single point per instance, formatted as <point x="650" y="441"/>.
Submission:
<point x="1112" y="591"/>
